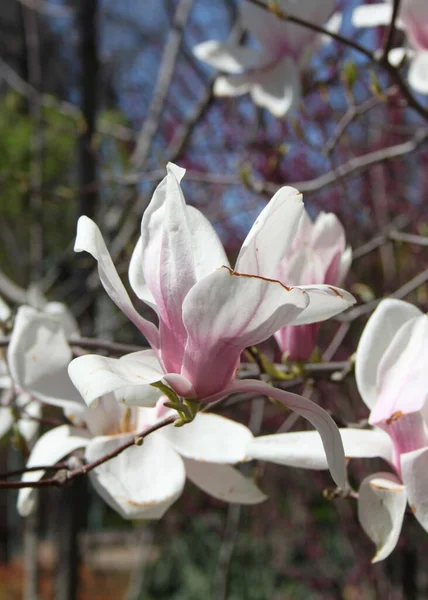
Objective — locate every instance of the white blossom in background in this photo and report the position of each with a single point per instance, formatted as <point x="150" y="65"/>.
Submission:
<point x="144" y="481"/>
<point x="392" y="377"/>
<point x="208" y="313"/>
<point x="270" y="73"/>
<point x="318" y="254"/>
<point x="413" y="19"/>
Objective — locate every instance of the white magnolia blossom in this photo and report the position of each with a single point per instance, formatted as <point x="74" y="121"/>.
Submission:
<point x="392" y="376"/>
<point x="318" y="254"/>
<point x="144" y="481"/>
<point x="413" y="19"/>
<point x="270" y="73"/>
<point x="208" y="312"/>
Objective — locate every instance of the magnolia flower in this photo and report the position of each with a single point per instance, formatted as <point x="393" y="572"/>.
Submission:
<point x="413" y="18"/>
<point x="208" y="313"/>
<point x="392" y="376"/>
<point x="144" y="481"/>
<point x="318" y="254"/>
<point x="270" y="73"/>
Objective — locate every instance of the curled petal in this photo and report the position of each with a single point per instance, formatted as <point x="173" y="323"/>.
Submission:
<point x="317" y="416"/>
<point x="382" y="326"/>
<point x="381" y="505"/>
<point x="53" y="446"/>
<point x="235" y="85"/>
<point x="223" y="482"/>
<point x="89" y="239"/>
<point x="210" y="438"/>
<point x="95" y="375"/>
<point x="277" y="88"/>
<point x="136" y="277"/>
<point x="38" y="356"/>
<point x="325" y="301"/>
<point x="140" y="483"/>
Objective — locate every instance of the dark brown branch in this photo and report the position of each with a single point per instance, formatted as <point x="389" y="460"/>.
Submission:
<point x="391" y="30"/>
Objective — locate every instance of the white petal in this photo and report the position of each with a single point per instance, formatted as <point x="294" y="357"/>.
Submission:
<point x="53" y="446"/>
<point x="304" y="449"/>
<point x="271" y="235"/>
<point x="345" y="264"/>
<point x="384" y="323"/>
<point x="402" y="375"/>
<point x="325" y="301"/>
<point x="396" y="56"/>
<point x="38" y="356"/>
<point x="414" y="471"/>
<point x="235" y="85"/>
<point x="140" y="483"/>
<point x="28" y="424"/>
<point x="5" y="311"/>
<point x="210" y="438"/>
<point x="372" y="15"/>
<point x="318" y="417"/>
<point x="277" y="88"/>
<point x="95" y="375"/>
<point x="381" y="505"/>
<point x="90" y="239"/>
<point x="64" y="316"/>
<point x="136" y="277"/>
<point x="227" y="57"/>
<point x="223" y="482"/>
<point x="137" y="395"/>
<point x="208" y="251"/>
<point x="418" y="72"/>
<point x="6" y="420"/>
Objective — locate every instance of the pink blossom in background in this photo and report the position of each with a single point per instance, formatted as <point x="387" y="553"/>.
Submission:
<point x="413" y="19"/>
<point x="270" y="73"/>
<point x="318" y="254"/>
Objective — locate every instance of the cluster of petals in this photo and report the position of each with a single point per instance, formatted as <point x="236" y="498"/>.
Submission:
<point x="392" y="377"/>
<point x="413" y="19"/>
<point x="318" y="254"/>
<point x="270" y="73"/>
<point x="145" y="480"/>
<point x="208" y="313"/>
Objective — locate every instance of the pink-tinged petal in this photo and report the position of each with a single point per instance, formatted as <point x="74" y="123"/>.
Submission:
<point x="381" y="505"/>
<point x="168" y="263"/>
<point x="210" y="438"/>
<point x="38" y="356"/>
<point x="6" y="420"/>
<point x="235" y="85"/>
<point x="277" y="88"/>
<point x="281" y="37"/>
<point x="136" y="277"/>
<point x="227" y="57"/>
<point x="208" y="251"/>
<point x="95" y="375"/>
<point x="402" y="375"/>
<point x="180" y="385"/>
<point x="382" y="326"/>
<point x="271" y="235"/>
<point x="223" y="482"/>
<point x="90" y="239"/>
<point x="225" y="313"/>
<point x="304" y="449"/>
<point x="414" y="18"/>
<point x="64" y="316"/>
<point x="52" y="447"/>
<point x="414" y="472"/>
<point x="328" y="235"/>
<point x="301" y="267"/>
<point x="140" y="483"/>
<point x="418" y="72"/>
<point x="316" y="415"/>
<point x="325" y="301"/>
<point x="372" y="15"/>
<point x="298" y="341"/>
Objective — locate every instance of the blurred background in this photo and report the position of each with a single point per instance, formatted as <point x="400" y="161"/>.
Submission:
<point x="96" y="96"/>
